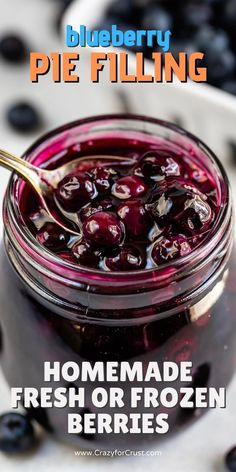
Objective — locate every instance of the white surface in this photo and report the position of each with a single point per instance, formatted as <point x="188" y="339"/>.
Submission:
<point x="202" y="447"/>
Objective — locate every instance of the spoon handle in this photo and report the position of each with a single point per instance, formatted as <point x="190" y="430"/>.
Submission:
<point x="37" y="178"/>
<point x="30" y="173"/>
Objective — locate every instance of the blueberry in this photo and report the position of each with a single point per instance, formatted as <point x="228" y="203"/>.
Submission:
<point x="104" y="229"/>
<point x="64" y="4"/>
<point x="219" y="67"/>
<point x="74" y="191"/>
<point x="102" y="178"/>
<point x="84" y="255"/>
<point x="195" y="14"/>
<point x="219" y="59"/>
<point x="129" y="186"/>
<point x="209" y="38"/>
<point x="230" y="86"/>
<point x="230" y="460"/>
<point x="182" y="45"/>
<point x="53" y="237"/>
<point x="106" y="23"/>
<point x="16" y="433"/>
<point x="121" y="9"/>
<point x="89" y="210"/>
<point x="13" y="48"/>
<point x="128" y="259"/>
<point x="197" y="215"/>
<point x="182" y="205"/>
<point x="229" y="18"/>
<point x="23" y="117"/>
<point x="160" y="210"/>
<point x="156" y="165"/>
<point x="229" y="21"/>
<point x="167" y="249"/>
<point x="157" y="18"/>
<point x="135" y="218"/>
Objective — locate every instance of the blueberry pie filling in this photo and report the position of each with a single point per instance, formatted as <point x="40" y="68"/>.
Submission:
<point x="141" y="212"/>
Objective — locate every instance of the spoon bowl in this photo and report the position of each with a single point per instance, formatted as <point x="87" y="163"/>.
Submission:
<point x="45" y="182"/>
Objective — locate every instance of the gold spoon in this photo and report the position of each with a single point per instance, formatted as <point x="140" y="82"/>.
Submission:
<point x="44" y="182"/>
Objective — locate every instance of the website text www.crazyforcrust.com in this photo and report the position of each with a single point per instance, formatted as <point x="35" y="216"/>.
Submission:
<point x="117" y="453"/>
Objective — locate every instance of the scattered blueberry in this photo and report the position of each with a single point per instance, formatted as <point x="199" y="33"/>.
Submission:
<point x="230" y="14"/>
<point x="63" y="5"/>
<point x="121" y="9"/>
<point x="16" y="433"/>
<point x="229" y="86"/>
<point x="215" y="39"/>
<point x="196" y="25"/>
<point x="219" y="67"/>
<point x="184" y="44"/>
<point x="23" y="117"/>
<point x="230" y="460"/>
<point x="156" y="17"/>
<point x="13" y="48"/>
<point x="195" y="14"/>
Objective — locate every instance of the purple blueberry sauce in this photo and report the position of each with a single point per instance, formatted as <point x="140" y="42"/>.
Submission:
<point x="155" y="205"/>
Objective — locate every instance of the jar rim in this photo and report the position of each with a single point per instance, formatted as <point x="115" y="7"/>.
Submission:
<point x="79" y="273"/>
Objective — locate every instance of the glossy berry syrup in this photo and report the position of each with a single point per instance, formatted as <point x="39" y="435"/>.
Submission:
<point x="150" y="277"/>
<point x="137" y="212"/>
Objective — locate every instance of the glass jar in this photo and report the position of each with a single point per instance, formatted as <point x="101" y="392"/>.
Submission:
<point x="53" y="310"/>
